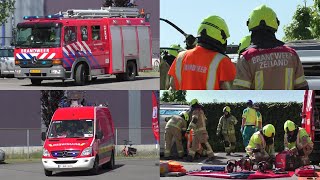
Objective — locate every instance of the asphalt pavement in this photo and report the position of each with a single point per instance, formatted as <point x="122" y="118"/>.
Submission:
<point x="147" y="81"/>
<point x="125" y="169"/>
<point x="220" y="159"/>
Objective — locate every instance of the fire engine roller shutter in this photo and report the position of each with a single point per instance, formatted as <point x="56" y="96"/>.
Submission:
<point x="129" y="41"/>
<point x="116" y="49"/>
<point x="144" y="48"/>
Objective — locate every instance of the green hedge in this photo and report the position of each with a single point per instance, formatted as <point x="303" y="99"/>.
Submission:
<point x="272" y="113"/>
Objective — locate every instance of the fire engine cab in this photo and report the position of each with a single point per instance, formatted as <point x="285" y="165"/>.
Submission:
<point x="83" y="44"/>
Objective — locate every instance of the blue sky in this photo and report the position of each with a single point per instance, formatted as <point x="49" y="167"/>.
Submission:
<point x="243" y="96"/>
<point x="188" y="15"/>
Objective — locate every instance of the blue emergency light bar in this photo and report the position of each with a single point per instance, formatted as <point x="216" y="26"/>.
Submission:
<point x="55" y="16"/>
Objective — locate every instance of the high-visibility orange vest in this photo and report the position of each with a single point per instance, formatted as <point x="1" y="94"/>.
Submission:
<point x="200" y="68"/>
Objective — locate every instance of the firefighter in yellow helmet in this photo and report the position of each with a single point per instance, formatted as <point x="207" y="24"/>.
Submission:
<point x="261" y="145"/>
<point x="244" y="44"/>
<point x="165" y="62"/>
<point x="297" y="141"/>
<point x="198" y="124"/>
<point x="267" y="63"/>
<point x="226" y="127"/>
<point x="215" y="69"/>
<point x="175" y="128"/>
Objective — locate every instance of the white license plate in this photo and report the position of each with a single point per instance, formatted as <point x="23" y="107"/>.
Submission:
<point x="65" y="166"/>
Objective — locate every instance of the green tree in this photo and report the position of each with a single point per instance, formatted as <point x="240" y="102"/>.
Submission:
<point x="300" y="27"/>
<point x="6" y="8"/>
<point x="305" y="23"/>
<point x="49" y="103"/>
<point x="165" y="96"/>
<point x="179" y="96"/>
<point x="174" y="96"/>
<point x="108" y="3"/>
<point x="116" y="3"/>
<point x="316" y="19"/>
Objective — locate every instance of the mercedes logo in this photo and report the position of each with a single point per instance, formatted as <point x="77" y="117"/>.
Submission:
<point x="64" y="153"/>
<point x="34" y="60"/>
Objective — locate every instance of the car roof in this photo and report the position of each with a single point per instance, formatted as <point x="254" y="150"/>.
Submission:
<point x="304" y="44"/>
<point x="174" y="106"/>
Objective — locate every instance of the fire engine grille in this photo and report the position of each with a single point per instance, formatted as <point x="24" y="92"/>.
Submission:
<point x="38" y="64"/>
<point x="70" y="153"/>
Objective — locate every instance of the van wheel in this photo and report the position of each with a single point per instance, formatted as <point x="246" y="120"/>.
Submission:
<point x="110" y="164"/>
<point x="47" y="173"/>
<point x="131" y="71"/>
<point x="36" y="82"/>
<point x="81" y="76"/>
<point x="95" y="168"/>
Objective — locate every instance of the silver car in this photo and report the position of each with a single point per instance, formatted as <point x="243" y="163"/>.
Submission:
<point x="168" y="110"/>
<point x="309" y="53"/>
<point x="6" y="62"/>
<point x="2" y="156"/>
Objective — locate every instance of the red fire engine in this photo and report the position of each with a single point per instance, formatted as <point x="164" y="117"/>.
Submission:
<point x="311" y="120"/>
<point x="83" y="44"/>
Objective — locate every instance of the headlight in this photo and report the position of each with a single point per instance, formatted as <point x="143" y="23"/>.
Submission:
<point x="87" y="151"/>
<point x="45" y="153"/>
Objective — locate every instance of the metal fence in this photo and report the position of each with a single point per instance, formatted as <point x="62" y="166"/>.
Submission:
<point x="14" y="137"/>
<point x="26" y="142"/>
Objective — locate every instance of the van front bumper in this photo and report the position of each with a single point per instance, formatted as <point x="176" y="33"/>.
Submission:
<point x="68" y="164"/>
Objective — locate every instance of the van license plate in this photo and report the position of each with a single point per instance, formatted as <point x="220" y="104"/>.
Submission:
<point x="65" y="166"/>
<point x="35" y="71"/>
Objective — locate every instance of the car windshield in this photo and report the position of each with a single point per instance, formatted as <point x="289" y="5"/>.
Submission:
<point x="6" y="52"/>
<point x="38" y="36"/>
<point x="71" y="129"/>
<point x="170" y="111"/>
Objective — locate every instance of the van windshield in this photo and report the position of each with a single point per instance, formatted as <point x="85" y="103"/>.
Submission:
<point x="71" y="129"/>
<point x="38" y="35"/>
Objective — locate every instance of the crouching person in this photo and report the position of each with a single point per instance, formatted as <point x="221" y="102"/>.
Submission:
<point x="297" y="141"/>
<point x="261" y="146"/>
<point x="174" y="129"/>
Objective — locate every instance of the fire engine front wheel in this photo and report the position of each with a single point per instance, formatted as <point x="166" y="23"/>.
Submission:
<point x="110" y="164"/>
<point x="47" y="173"/>
<point x="36" y="82"/>
<point x="81" y="75"/>
<point x="95" y="168"/>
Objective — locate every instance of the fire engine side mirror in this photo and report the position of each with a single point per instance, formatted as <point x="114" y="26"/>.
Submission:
<point x="43" y="136"/>
<point x="99" y="135"/>
<point x="147" y="17"/>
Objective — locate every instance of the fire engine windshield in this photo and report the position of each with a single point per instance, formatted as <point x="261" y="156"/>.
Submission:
<point x="36" y="36"/>
<point x="71" y="129"/>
